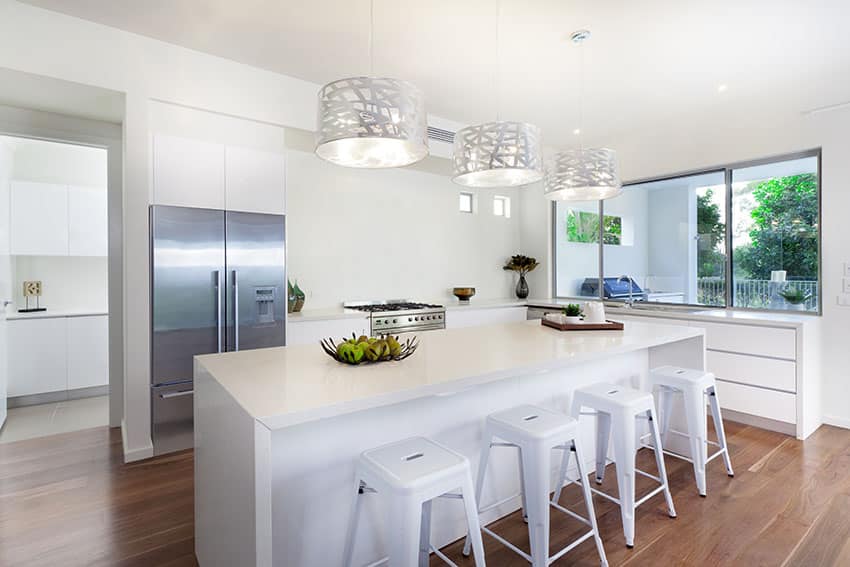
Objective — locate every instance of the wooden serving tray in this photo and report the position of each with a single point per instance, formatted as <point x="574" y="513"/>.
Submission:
<point x="606" y="326"/>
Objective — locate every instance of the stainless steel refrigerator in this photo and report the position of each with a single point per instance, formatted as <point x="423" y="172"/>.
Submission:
<point x="218" y="284"/>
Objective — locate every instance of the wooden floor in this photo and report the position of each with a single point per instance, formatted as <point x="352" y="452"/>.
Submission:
<point x="68" y="500"/>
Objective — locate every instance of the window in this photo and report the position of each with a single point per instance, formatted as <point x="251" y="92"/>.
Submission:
<point x="502" y="206"/>
<point x="466" y="200"/>
<point x="744" y="236"/>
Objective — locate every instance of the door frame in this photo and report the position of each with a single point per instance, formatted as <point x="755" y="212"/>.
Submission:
<point x="49" y="126"/>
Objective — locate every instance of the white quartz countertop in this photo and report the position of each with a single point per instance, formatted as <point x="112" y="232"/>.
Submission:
<point x="286" y="386"/>
<point x="50" y="314"/>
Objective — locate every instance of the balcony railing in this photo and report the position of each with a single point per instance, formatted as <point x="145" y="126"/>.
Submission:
<point x="757" y="294"/>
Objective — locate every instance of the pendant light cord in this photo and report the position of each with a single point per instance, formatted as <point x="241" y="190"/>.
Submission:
<point x="371" y="38"/>
<point x="581" y="95"/>
<point x="498" y="60"/>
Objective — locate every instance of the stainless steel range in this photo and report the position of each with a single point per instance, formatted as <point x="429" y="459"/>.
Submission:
<point x="401" y="316"/>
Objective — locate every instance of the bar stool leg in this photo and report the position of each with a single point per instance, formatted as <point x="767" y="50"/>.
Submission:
<point x="348" y="554"/>
<point x="536" y="461"/>
<point x="562" y="475"/>
<point x="624" y="457"/>
<point x="718" y="427"/>
<point x="405" y="519"/>
<point x="665" y="409"/>
<point x="588" y="498"/>
<point x="473" y="523"/>
<point x="425" y="535"/>
<point x="486" y="441"/>
<point x="603" y="435"/>
<point x="522" y="485"/>
<point x="659" y="461"/>
<point x="696" y="418"/>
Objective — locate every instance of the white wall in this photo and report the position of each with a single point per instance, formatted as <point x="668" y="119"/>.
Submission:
<point x="377" y="234"/>
<point x="6" y="265"/>
<point x="65" y="164"/>
<point x="70" y="283"/>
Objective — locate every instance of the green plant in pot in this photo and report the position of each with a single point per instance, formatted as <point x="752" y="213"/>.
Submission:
<point x="573" y="313"/>
<point x="795" y="298"/>
<point x="521" y="265"/>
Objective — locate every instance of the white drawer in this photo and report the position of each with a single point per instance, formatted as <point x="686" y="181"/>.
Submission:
<point x="779" y="406"/>
<point x="753" y="370"/>
<point x="748" y="339"/>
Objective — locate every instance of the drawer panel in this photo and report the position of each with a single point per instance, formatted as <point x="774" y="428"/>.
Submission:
<point x="779" y="406"/>
<point x="746" y="339"/>
<point x="765" y="372"/>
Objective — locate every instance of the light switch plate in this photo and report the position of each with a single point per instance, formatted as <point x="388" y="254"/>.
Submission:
<point x="847" y="269"/>
<point x="844" y="299"/>
<point x="845" y="288"/>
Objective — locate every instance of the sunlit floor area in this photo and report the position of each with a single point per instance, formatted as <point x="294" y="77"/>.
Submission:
<point x="60" y="417"/>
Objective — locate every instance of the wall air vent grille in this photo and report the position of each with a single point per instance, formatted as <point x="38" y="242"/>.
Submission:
<point x="441" y="135"/>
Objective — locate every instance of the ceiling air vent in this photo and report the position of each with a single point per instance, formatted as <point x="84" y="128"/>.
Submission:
<point x="441" y="135"/>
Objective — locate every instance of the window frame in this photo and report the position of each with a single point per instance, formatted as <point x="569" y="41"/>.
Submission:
<point x="506" y="206"/>
<point x="471" y="196"/>
<point x="727" y="169"/>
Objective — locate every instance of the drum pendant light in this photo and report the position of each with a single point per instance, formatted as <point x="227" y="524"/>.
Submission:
<point x="371" y="122"/>
<point x="583" y="174"/>
<point x="497" y="154"/>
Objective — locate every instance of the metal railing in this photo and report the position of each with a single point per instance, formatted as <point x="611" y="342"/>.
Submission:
<point x="755" y="294"/>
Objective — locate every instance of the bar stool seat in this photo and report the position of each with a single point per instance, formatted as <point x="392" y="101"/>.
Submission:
<point x="411" y="474"/>
<point x="694" y="385"/>
<point x="535" y="432"/>
<point x="617" y="408"/>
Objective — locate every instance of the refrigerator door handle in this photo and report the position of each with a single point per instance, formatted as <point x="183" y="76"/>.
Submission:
<point x="235" y="310"/>
<point x="218" y="291"/>
<point x="169" y="395"/>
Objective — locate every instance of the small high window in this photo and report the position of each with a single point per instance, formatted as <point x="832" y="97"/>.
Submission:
<point x="466" y="202"/>
<point x="502" y="206"/>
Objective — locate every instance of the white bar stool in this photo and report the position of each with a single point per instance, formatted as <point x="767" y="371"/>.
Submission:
<point x="535" y="432"/>
<point x="618" y="407"/>
<point x="412" y="473"/>
<point x="695" y="385"/>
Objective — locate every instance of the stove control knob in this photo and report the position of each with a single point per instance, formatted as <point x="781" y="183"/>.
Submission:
<point x="395" y="320"/>
<point x="409" y="319"/>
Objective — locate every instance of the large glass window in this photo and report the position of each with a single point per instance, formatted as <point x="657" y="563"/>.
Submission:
<point x="668" y="240"/>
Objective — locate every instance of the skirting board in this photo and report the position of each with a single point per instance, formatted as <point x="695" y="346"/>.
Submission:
<point x="53" y="397"/>
<point x="760" y="422"/>
<point x="137" y="454"/>
<point x="836" y="421"/>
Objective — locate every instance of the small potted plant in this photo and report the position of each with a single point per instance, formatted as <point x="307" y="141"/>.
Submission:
<point x="795" y="298"/>
<point x="521" y="265"/>
<point x="572" y="314"/>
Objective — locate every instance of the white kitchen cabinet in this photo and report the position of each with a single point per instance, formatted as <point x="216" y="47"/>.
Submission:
<point x="255" y="181"/>
<point x="471" y="317"/>
<point x="88" y="351"/>
<point x="188" y="173"/>
<point x="750" y="339"/>
<point x="39" y="219"/>
<point x="753" y="370"/>
<point x="312" y="331"/>
<point x="770" y="404"/>
<point x="88" y="226"/>
<point x="38" y="356"/>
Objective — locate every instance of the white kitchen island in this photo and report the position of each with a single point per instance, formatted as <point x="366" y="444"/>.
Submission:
<point x="278" y="431"/>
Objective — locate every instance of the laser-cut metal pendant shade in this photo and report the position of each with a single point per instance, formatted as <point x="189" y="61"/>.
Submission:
<point x="497" y="154"/>
<point x="582" y="175"/>
<point x="371" y="122"/>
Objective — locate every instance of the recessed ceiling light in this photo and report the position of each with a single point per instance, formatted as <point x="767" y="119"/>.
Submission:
<point x="722" y="88"/>
<point x="577" y="131"/>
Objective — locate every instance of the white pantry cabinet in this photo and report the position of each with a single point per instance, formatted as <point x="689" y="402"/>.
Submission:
<point x="39" y="219"/>
<point x="471" y="317"/>
<point x="255" y="181"/>
<point x="312" y="331"/>
<point x="88" y="351"/>
<point x="188" y="173"/>
<point x="88" y="226"/>
<point x="38" y="356"/>
<point x="55" y="354"/>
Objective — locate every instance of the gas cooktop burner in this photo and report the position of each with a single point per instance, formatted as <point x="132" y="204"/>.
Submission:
<point x="396" y="306"/>
<point x="401" y="315"/>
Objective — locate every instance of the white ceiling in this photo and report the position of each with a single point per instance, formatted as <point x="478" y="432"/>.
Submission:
<point x="648" y="61"/>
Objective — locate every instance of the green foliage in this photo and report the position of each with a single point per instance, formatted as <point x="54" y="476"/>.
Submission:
<point x="583" y="227"/>
<point x="711" y="261"/>
<point x="521" y="264"/>
<point x="784" y="230"/>
<point x="572" y="310"/>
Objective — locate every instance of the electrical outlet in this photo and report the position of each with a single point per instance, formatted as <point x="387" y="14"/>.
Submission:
<point x="844" y="299"/>
<point x="847" y="269"/>
<point x="845" y="288"/>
